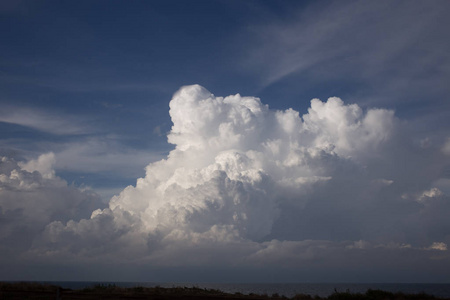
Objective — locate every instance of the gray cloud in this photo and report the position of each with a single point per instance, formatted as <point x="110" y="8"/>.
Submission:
<point x="31" y="197"/>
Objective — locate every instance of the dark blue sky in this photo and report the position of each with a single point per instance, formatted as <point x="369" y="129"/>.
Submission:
<point x="91" y="82"/>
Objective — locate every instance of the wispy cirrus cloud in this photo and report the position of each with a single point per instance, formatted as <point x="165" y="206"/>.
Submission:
<point x="50" y="122"/>
<point x="394" y="46"/>
<point x="103" y="155"/>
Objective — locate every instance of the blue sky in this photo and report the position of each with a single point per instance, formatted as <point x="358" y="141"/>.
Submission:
<point x="112" y="67"/>
<point x="105" y="71"/>
<point x="85" y="88"/>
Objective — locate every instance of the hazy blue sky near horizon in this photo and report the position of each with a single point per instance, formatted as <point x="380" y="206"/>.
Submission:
<point x="264" y="185"/>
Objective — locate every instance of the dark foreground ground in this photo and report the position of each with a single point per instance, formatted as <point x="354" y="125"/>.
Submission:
<point x="36" y="291"/>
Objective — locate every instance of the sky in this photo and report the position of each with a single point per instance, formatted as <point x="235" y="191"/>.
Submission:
<point x="225" y="141"/>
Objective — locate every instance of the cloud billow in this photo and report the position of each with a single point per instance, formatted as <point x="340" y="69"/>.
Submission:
<point x="31" y="197"/>
<point x="246" y="185"/>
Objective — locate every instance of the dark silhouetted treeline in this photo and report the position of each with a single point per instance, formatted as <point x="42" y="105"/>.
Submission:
<point x="32" y="291"/>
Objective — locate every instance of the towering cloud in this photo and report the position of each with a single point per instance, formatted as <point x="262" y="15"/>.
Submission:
<point x="246" y="185"/>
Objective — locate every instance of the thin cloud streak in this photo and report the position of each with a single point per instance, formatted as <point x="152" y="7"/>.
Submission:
<point x="391" y="45"/>
<point x="94" y="155"/>
<point x="44" y="121"/>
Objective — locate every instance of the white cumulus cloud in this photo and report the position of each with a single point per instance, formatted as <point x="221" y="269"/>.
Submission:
<point x="236" y="163"/>
<point x="249" y="186"/>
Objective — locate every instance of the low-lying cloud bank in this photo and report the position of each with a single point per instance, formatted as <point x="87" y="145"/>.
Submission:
<point x="249" y="188"/>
